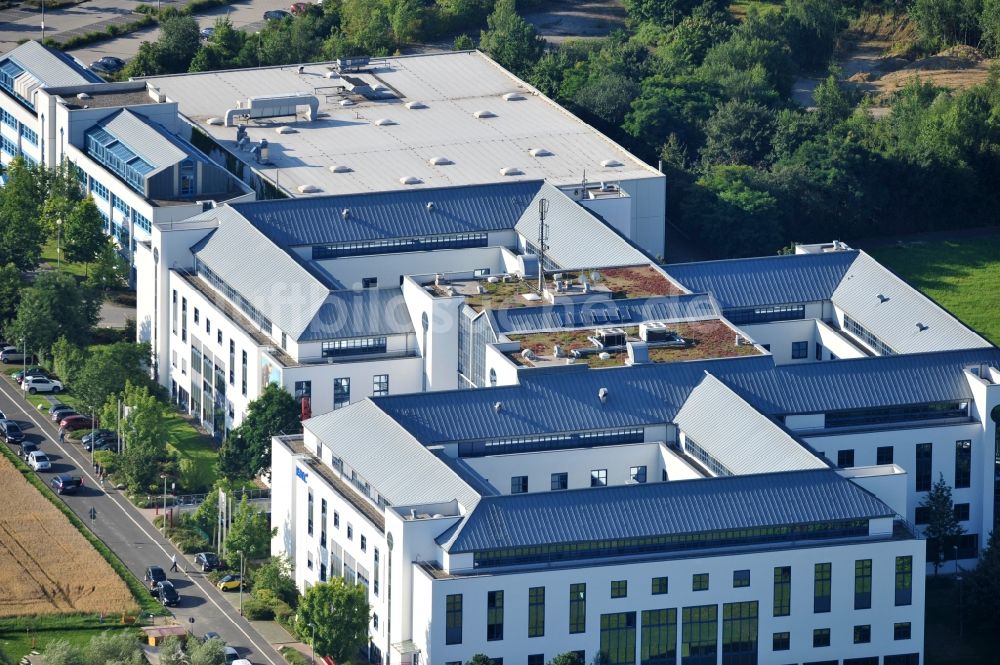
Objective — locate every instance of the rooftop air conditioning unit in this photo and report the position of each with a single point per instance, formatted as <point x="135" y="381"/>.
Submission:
<point x="610" y="338"/>
<point x="653" y="331"/>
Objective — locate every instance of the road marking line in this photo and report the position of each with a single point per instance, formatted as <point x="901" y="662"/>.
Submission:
<point x="31" y="416"/>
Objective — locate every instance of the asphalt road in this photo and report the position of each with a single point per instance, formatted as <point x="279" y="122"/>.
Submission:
<point x="130" y="535"/>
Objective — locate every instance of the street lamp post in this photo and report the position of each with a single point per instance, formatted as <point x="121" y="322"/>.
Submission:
<point x="59" y="242"/>
<point x="241" y="582"/>
<point x="164" y="476"/>
<point x="312" y="643"/>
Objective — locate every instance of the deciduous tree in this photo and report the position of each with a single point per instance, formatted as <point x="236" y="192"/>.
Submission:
<point x="83" y="232"/>
<point x="10" y="292"/>
<point x="250" y="533"/>
<point x="21" y="198"/>
<point x="340" y="613"/>
<point x="209" y="652"/>
<point x="247" y="450"/>
<point x="510" y="40"/>
<point x="54" y="306"/>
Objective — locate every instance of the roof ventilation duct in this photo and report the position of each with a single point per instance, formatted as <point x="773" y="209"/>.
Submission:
<point x="484" y="114"/>
<point x="883" y="298"/>
<point x="345" y="213"/>
<point x="340" y="168"/>
<point x="415" y="105"/>
<point x="439" y="161"/>
<point x="384" y="122"/>
<point x="410" y="180"/>
<point x="497" y="407"/>
<point x="430" y="206"/>
<point x="610" y="163"/>
<point x="539" y="152"/>
<point x="511" y="170"/>
<point x="922" y="327"/>
<point x="513" y="97"/>
<point x="602" y="395"/>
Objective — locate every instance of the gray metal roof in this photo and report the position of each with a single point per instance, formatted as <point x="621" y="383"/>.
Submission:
<point x="895" y="317"/>
<point x="396" y="465"/>
<point x="632" y="311"/>
<point x="358" y="314"/>
<point x="577" y="237"/>
<point x="744" y="440"/>
<point x="52" y="68"/>
<point x="663" y="508"/>
<point x="766" y="280"/>
<point x="285" y="292"/>
<point x="152" y="145"/>
<point x="567" y="400"/>
<point x="396" y="214"/>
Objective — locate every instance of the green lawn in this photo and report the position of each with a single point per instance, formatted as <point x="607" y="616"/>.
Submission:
<point x="18" y="636"/>
<point x="963" y="276"/>
<point x="49" y="256"/>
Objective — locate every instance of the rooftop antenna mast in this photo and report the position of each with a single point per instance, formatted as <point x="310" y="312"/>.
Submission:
<point x="543" y="241"/>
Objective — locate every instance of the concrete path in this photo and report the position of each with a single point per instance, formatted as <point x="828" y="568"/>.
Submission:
<point x="114" y="315"/>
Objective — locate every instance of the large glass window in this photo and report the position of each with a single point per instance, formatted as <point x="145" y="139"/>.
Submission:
<point x="232" y="362"/>
<point x="536" y="611"/>
<point x="863" y="584"/>
<point x="904" y="580"/>
<point x="494" y="616"/>
<point x="107" y="150"/>
<point x="699" y="582"/>
<point x="800" y="350"/>
<point x="741" y="578"/>
<point x="244" y="373"/>
<point x="619" y="588"/>
<point x="883" y="455"/>
<point x="599" y="478"/>
<point x="821" y="638"/>
<point x="618" y="638"/>
<point x="931" y="411"/>
<point x="901" y="631"/>
<point x="765" y="314"/>
<point x="659" y="637"/>
<point x="303" y="391"/>
<point x="519" y="484"/>
<point x="453" y="619"/>
<point x="739" y="633"/>
<point x="397" y="245"/>
<point x="341" y="392"/>
<point x="353" y="347"/>
<point x="559" y="441"/>
<point x="660" y="585"/>
<point x="578" y="608"/>
<point x="782" y="591"/>
<point x="699" y="635"/>
<point x="845" y="458"/>
<point x="963" y="463"/>
<point x="309" y="513"/>
<point x="184" y="321"/>
<point x="863" y="635"/>
<point x="822" y="587"/>
<point x="924" y="452"/>
<point x="380" y="385"/>
<point x="559" y="481"/>
<point x="868" y="337"/>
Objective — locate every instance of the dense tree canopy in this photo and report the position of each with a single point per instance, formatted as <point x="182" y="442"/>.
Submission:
<point x="510" y="40"/>
<point x="53" y="306"/>
<point x="340" y="613"/>
<point x="247" y="450"/>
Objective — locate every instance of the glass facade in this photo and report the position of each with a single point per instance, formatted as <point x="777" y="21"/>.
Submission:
<point x="699" y="635"/>
<point x="398" y="245"/>
<point x="341" y="392"/>
<point x="659" y="637"/>
<point x="453" y="619"/>
<point x="107" y="150"/>
<point x="782" y="591"/>
<point x="765" y="314"/>
<point x="863" y="584"/>
<point x="353" y="347"/>
<point x="963" y="463"/>
<point x="494" y="616"/>
<point x="235" y="297"/>
<point x="739" y="633"/>
<point x="618" y="638"/>
<point x="904" y="580"/>
<point x="577" y="608"/>
<point x="518" y="444"/>
<point x="868" y="337"/>
<point x="922" y="475"/>
<point x="536" y="611"/>
<point x="822" y="587"/>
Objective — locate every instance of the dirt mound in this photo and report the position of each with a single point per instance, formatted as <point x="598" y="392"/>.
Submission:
<point x="862" y="77"/>
<point x="964" y="52"/>
<point x="886" y="27"/>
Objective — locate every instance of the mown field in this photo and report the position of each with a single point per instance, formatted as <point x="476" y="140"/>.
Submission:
<point x="963" y="276"/>
<point x="46" y="565"/>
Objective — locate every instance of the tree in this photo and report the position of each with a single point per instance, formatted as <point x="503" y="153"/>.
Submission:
<point x="21" y="236"/>
<point x="739" y="133"/>
<point x="10" y="292"/>
<point x="510" y="40"/>
<point x="275" y="575"/>
<point x="479" y="659"/>
<point x="989" y="23"/>
<point x="340" y="613"/>
<point x="943" y="528"/>
<point x="108" y="370"/>
<point x="61" y="652"/>
<point x="463" y="43"/>
<point x="109" y="269"/>
<point x="692" y="38"/>
<point x="660" y="12"/>
<point x="250" y="533"/>
<point x="113" y="648"/>
<point x="53" y="307"/>
<point x="83" y="232"/>
<point x="171" y="652"/>
<point x="247" y="450"/>
<point x="984" y="590"/>
<point x="946" y="22"/>
<point x="568" y="658"/>
<point x="178" y="42"/>
<point x="145" y="431"/>
<point x="209" y="652"/>
<point x="405" y="19"/>
<point x="833" y="102"/>
<point x="366" y="26"/>
<point x="811" y="27"/>
<point x="67" y="360"/>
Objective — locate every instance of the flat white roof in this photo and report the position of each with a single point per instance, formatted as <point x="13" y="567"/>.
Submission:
<point x="452" y="88"/>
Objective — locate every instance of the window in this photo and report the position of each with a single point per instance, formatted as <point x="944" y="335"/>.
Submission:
<point x="922" y="515"/>
<point x="184" y="321"/>
<point x="284" y="340"/>
<point x="380" y="385"/>
<point x="923" y="467"/>
<point x="341" y="392"/>
<point x="619" y="588"/>
<point x="901" y="631"/>
<point x="866" y="336"/>
<point x="699" y="634"/>
<point x="599" y="478"/>
<point x="353" y="347"/>
<point x="963" y="463"/>
<point x="637" y="474"/>
<point x="187" y="177"/>
<point x="741" y="578"/>
<point x="560" y="481"/>
<point x="821" y="637"/>
<point x="303" y="391"/>
<point x="659" y="637"/>
<point x="862" y="634"/>
<point x="800" y="350"/>
<point x="535" y="659"/>
<point x="398" y="245"/>
<point x="821" y="587"/>
<point x="618" y="638"/>
<point x="218" y="336"/>
<point x="336" y="520"/>
<point x="883" y="455"/>
<point x="364" y="544"/>
<point x="578" y="608"/>
<point x="560" y="441"/>
<point x="739" y="633"/>
<point x="536" y="611"/>
<point x="453" y="619"/>
<point x="962" y="512"/>
<point x="660" y="585"/>
<point x="322" y="522"/>
<point x="244" y="373"/>
<point x="519" y="485"/>
<point x="863" y="584"/>
<point x="782" y="591"/>
<point x="781" y="642"/>
<point x="699" y="582"/>
<point x="322" y="572"/>
<point x="196" y="315"/>
<point x="494" y="616"/>
<point x="173" y="312"/>
<point x="845" y="458"/>
<point x="902" y="659"/>
<point x="377" y="575"/>
<point x="765" y="314"/>
<point x="480" y="272"/>
<point x="309" y="513"/>
<point x="819" y="351"/>
<point x="350" y="531"/>
<point x="369" y="282"/>
<point x="208" y="325"/>
<point x="904" y="580"/>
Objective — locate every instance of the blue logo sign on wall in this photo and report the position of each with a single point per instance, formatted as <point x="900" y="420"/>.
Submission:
<point x="302" y="474"/>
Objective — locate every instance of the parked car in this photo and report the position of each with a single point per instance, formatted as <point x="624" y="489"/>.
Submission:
<point x="11" y="354"/>
<point x="60" y="411"/>
<point x="108" y="64"/>
<point x="230" y="654"/>
<point x="39" y="461"/>
<point x="276" y="14"/>
<point x="167" y="593"/>
<point x="230" y="583"/>
<point x="96" y="434"/>
<point x="41" y="384"/>
<point x="11" y="431"/>
<point x="106" y="443"/>
<point x="27" y="447"/>
<point x="31" y="371"/>
<point x="66" y="484"/>
<point x="154" y="575"/>
<point x="206" y="33"/>
<point x="208" y="561"/>
<point x="76" y="422"/>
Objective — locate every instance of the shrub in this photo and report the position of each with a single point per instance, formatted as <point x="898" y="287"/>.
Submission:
<point x="256" y="610"/>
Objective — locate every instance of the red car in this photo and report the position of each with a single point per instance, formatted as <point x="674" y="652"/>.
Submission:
<point x="299" y="8"/>
<point x="76" y="422"/>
